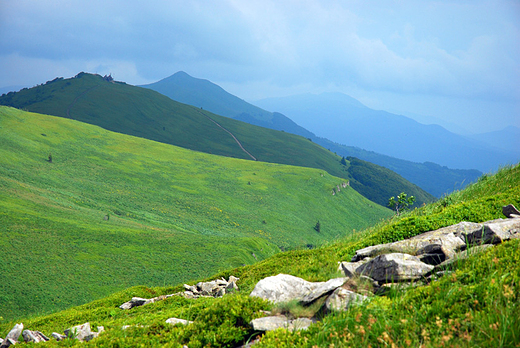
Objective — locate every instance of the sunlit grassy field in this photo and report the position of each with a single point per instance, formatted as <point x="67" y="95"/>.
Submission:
<point x="475" y="306"/>
<point x="111" y="211"/>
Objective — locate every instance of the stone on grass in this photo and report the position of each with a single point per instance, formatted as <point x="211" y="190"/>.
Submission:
<point x="395" y="267"/>
<point x="173" y="321"/>
<point x="285" y="287"/>
<point x="276" y="322"/>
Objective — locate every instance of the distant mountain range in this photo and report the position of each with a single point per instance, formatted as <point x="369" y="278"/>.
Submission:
<point x="184" y="88"/>
<point x="345" y="120"/>
<point x="142" y="112"/>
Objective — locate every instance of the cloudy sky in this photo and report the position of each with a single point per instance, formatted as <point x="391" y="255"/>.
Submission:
<point x="454" y="62"/>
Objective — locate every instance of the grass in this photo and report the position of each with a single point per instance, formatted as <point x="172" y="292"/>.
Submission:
<point x="145" y="113"/>
<point x="113" y="211"/>
<point x="476" y="305"/>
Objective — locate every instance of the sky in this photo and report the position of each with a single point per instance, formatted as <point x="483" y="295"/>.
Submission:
<point x="455" y="63"/>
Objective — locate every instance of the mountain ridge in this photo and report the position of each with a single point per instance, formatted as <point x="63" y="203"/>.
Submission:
<point x="436" y="182"/>
<point x="387" y="133"/>
<point x="146" y="113"/>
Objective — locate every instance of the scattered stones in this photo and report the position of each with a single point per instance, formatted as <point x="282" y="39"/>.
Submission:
<point x="214" y="288"/>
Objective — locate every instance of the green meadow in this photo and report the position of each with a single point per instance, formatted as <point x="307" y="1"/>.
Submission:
<point x="85" y="212"/>
<point x="476" y="305"/>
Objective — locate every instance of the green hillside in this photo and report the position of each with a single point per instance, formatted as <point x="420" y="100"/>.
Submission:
<point x="145" y="113"/>
<point x="474" y="306"/>
<point x="112" y="211"/>
<point x="431" y="177"/>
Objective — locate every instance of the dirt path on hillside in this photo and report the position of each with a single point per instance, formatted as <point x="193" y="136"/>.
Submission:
<point x="77" y="98"/>
<point x="237" y="141"/>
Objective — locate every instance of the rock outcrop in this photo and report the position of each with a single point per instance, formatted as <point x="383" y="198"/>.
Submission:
<point x="400" y="265"/>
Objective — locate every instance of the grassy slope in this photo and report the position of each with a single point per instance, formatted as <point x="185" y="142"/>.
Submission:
<point x="174" y="214"/>
<point x="477" y="305"/>
<point x="148" y="114"/>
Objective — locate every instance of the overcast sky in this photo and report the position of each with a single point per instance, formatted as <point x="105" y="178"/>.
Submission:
<point x="456" y="61"/>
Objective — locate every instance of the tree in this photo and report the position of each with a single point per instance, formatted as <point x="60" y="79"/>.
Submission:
<point x="402" y="203"/>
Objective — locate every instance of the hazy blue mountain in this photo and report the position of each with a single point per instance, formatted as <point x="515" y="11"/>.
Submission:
<point x="202" y="93"/>
<point x="506" y="139"/>
<point x="344" y="120"/>
<point x="186" y="89"/>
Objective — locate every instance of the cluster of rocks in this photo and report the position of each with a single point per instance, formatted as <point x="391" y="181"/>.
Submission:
<point x="404" y="263"/>
<point x="427" y="255"/>
<point x="82" y="333"/>
<point x="214" y="288"/>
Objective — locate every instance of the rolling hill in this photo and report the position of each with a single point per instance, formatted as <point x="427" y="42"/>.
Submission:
<point x="85" y="212"/>
<point x="148" y="114"/>
<point x="475" y="303"/>
<point x="435" y="179"/>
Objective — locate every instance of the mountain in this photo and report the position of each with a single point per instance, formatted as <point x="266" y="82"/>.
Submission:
<point x="343" y="120"/>
<point x="207" y="95"/>
<point x="85" y="212"/>
<point x="148" y="114"/>
<point x="506" y="139"/>
<point x="184" y="88"/>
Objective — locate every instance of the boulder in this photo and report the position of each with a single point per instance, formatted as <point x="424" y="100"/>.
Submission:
<point x="285" y="287"/>
<point x="34" y="336"/>
<point x="341" y="299"/>
<point x="280" y="321"/>
<point x="173" y="321"/>
<point x="395" y="267"/>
